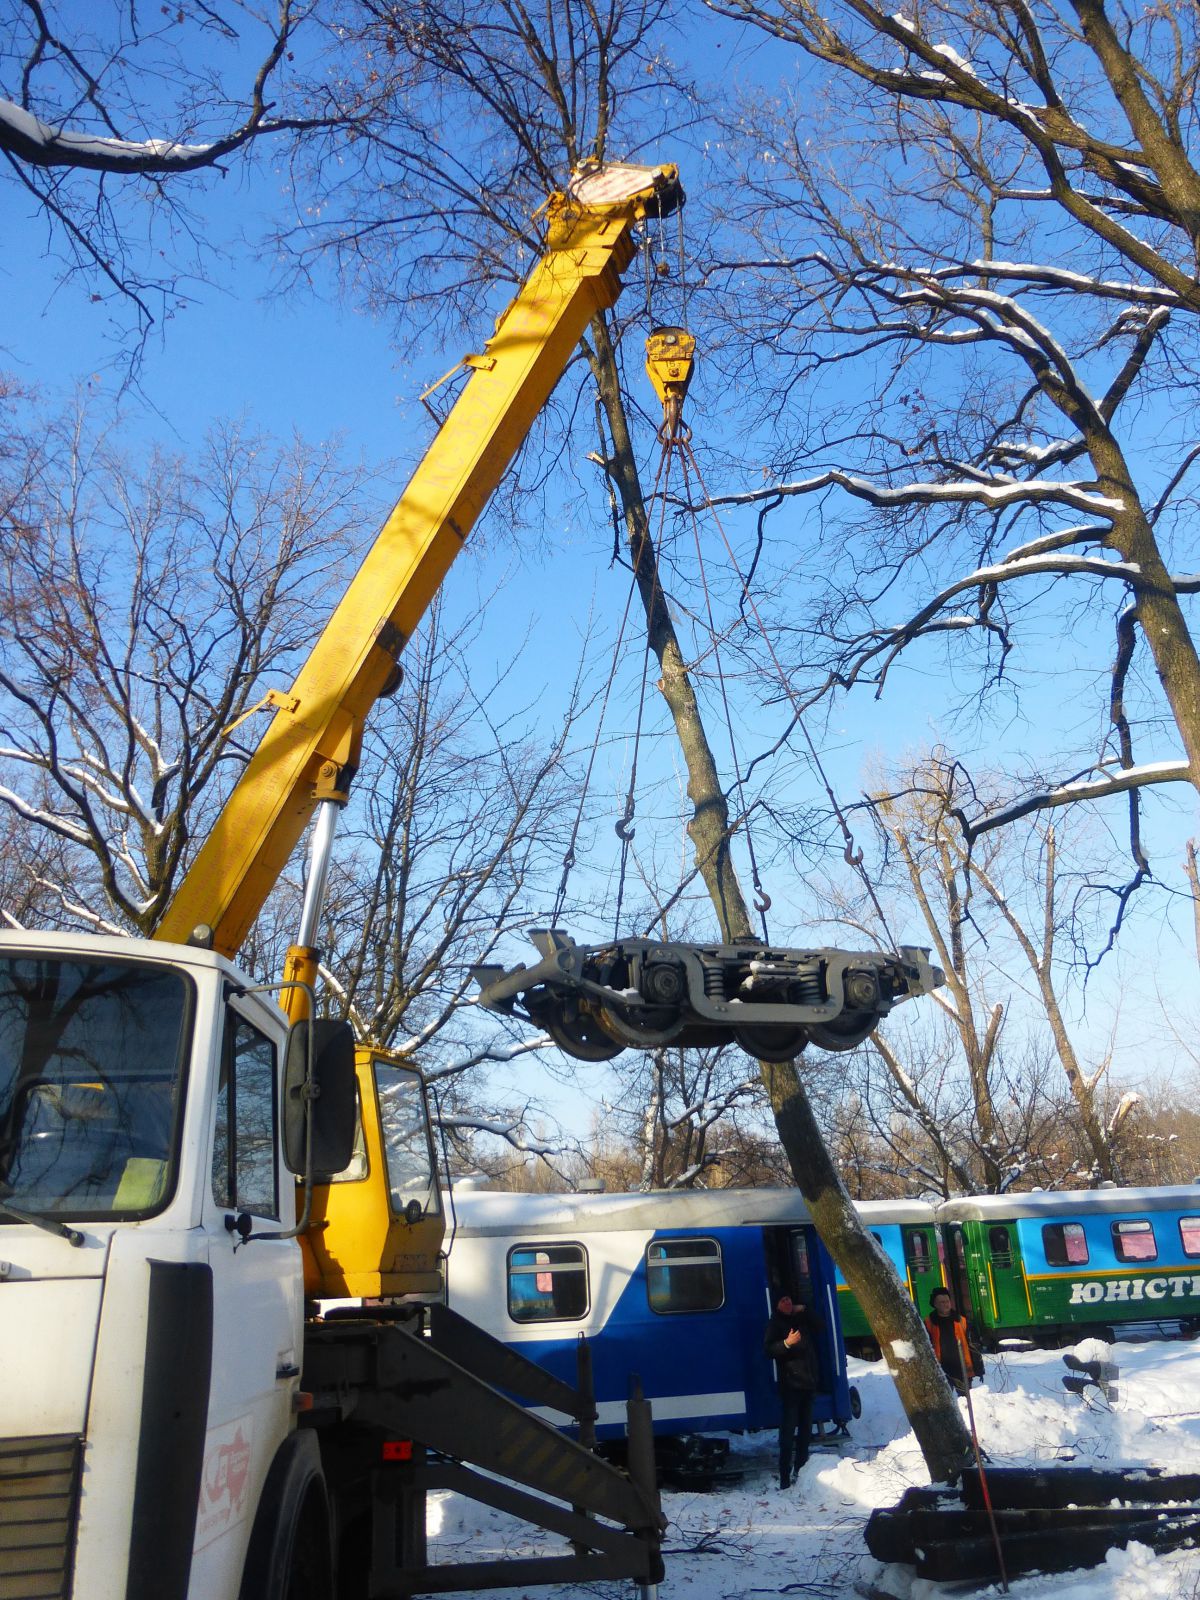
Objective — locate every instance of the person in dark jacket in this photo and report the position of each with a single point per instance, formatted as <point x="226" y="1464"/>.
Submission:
<point x="791" y="1342"/>
<point x="947" y="1330"/>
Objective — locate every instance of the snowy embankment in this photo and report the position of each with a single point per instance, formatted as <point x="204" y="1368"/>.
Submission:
<point x="752" y="1539"/>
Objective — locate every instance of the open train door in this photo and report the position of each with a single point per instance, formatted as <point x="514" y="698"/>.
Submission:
<point x="922" y="1262"/>
<point x="798" y="1264"/>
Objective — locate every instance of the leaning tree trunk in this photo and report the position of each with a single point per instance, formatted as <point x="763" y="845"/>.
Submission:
<point x="896" y="1322"/>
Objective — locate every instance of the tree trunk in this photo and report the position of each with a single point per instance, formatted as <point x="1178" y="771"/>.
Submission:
<point x="1159" y="612"/>
<point x="1193" y="874"/>
<point x="1082" y="1086"/>
<point x="895" y="1321"/>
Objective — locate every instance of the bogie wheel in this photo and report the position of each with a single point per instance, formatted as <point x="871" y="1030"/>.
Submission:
<point x="771" y="1041"/>
<point x="644" y="1030"/>
<point x="580" y="1036"/>
<point x="842" y="1035"/>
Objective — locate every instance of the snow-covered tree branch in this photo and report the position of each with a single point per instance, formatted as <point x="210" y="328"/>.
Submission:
<point x="109" y="120"/>
<point x="970" y="310"/>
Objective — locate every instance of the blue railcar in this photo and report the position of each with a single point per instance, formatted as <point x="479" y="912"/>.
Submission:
<point x="674" y="1287"/>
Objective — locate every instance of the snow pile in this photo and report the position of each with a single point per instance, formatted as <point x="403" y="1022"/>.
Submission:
<point x="752" y="1539"/>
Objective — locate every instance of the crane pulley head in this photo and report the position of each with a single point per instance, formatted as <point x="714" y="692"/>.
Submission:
<point x="626" y="187"/>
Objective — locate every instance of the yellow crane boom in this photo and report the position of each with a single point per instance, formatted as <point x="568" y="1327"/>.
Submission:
<point x="311" y="747"/>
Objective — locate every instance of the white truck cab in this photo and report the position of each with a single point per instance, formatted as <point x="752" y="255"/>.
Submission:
<point x="150" y="1355"/>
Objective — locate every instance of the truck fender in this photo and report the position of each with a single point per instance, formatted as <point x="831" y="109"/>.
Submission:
<point x="290" y="1555"/>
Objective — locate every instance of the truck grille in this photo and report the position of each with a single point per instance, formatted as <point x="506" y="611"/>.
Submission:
<point x="39" y="1487"/>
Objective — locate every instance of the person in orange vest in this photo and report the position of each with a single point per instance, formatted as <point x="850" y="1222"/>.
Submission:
<point x="947" y="1330"/>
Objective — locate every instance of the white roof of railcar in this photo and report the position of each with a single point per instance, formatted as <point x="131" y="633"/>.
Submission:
<point x="481" y="1212"/>
<point x="1069" y="1202"/>
<point x="873" y="1212"/>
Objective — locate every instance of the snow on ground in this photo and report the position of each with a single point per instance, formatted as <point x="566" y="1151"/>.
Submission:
<point x="752" y="1539"/>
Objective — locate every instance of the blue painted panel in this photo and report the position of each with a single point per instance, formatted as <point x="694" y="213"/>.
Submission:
<point x="708" y="1352"/>
<point x="1097" y="1231"/>
<point x="891" y="1238"/>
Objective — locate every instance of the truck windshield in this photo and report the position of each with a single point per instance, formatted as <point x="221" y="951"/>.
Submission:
<point x="91" y="1057"/>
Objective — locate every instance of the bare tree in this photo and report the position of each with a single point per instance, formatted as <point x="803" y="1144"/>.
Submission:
<point x="32" y="872"/>
<point x="974" y="282"/>
<point x="107" y="112"/>
<point x="1193" y="877"/>
<point x="950" y="884"/>
<point x="1039" y="949"/>
<point x="147" y="609"/>
<point x="1168" y="1149"/>
<point x="690" y="1117"/>
<point x="940" y="886"/>
<point x="532" y="94"/>
<point x="906" y="1124"/>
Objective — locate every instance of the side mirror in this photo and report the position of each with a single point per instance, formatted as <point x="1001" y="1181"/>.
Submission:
<point x="332" y="1101"/>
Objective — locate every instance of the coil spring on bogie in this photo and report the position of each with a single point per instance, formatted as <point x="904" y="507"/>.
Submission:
<point x="714" y="979"/>
<point x="807" y="989"/>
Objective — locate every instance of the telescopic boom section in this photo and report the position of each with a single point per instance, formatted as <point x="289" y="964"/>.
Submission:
<point x="311" y="748"/>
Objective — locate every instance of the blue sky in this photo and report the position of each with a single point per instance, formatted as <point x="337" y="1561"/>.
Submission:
<point x="310" y="363"/>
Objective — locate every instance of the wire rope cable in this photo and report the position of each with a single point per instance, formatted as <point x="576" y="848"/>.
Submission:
<point x="852" y="852"/>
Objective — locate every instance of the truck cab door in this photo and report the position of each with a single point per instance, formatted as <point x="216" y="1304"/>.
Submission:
<point x="257" y="1299"/>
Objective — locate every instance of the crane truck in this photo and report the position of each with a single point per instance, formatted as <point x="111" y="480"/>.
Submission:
<point x="175" y="1419"/>
<point x="192" y="1163"/>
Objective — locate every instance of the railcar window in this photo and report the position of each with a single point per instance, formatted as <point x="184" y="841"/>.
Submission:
<point x="916" y="1249"/>
<point x="1064" y="1244"/>
<point x="684" y="1275"/>
<point x="1134" y="1241"/>
<point x="1000" y="1247"/>
<point x="547" y="1283"/>
<point x="1189" y="1235"/>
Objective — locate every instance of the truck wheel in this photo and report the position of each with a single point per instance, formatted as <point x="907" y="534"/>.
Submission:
<point x="290" y="1554"/>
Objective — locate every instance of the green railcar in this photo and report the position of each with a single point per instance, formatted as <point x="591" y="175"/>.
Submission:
<point x="1050" y="1266"/>
<point x="907" y="1230"/>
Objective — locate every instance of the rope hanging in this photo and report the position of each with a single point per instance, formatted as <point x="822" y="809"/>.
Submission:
<point x="670" y="353"/>
<point x="669" y="364"/>
<point x="623" y="828"/>
<point x="852" y="852"/>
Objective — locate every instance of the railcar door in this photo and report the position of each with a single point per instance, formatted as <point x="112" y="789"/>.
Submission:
<point x="790" y="1268"/>
<point x="798" y="1265"/>
<point x="922" y="1266"/>
<point x="967" y="1273"/>
<point x="1008" y="1294"/>
<point x="856" y="1330"/>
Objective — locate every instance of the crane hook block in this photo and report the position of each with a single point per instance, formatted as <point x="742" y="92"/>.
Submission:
<point x="670" y="361"/>
<point x="640" y="994"/>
